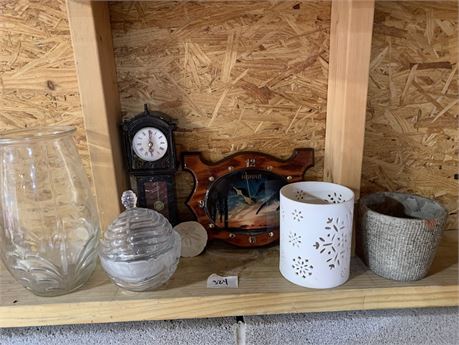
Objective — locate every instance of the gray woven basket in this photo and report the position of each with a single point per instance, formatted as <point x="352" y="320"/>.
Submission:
<point x="399" y="234"/>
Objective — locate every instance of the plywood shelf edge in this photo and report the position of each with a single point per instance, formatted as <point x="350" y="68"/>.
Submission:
<point x="233" y="305"/>
<point x="262" y="290"/>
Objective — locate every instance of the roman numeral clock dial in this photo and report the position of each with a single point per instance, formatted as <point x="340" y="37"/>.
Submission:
<point x="150" y="144"/>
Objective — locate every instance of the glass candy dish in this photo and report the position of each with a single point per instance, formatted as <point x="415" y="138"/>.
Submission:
<point x="140" y="250"/>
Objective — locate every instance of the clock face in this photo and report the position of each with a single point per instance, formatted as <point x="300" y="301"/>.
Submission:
<point x="149" y="144"/>
<point x="246" y="200"/>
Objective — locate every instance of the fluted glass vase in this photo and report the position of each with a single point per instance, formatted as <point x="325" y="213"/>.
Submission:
<point x="49" y="226"/>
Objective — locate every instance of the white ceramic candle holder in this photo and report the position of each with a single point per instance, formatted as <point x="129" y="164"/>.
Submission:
<point x="315" y="233"/>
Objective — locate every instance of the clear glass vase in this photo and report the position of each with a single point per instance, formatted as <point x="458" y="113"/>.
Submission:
<point x="49" y="227"/>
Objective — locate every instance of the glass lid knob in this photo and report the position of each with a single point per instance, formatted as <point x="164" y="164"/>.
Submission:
<point x="129" y="199"/>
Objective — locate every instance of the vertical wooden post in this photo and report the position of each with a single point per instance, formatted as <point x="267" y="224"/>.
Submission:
<point x="92" y="43"/>
<point x="350" y="47"/>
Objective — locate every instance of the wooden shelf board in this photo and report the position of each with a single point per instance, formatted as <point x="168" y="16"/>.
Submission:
<point x="262" y="290"/>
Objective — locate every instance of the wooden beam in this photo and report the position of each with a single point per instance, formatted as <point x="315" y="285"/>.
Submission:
<point x="92" y="43"/>
<point x="350" y="46"/>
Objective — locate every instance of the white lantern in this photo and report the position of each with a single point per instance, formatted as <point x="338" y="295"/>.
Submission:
<point x="316" y="233"/>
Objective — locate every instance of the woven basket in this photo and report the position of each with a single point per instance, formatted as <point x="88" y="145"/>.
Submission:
<point x="399" y="234"/>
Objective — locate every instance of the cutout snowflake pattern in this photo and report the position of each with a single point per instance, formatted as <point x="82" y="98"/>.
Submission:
<point x="302" y="267"/>
<point x="334" y="244"/>
<point x="335" y="198"/>
<point x="294" y="239"/>
<point x="297" y="215"/>
<point x="300" y="194"/>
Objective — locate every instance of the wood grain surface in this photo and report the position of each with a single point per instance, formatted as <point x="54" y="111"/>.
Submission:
<point x="93" y="50"/>
<point x="240" y="76"/>
<point x="350" y="43"/>
<point x="262" y="290"/>
<point x="38" y="81"/>
<point x="411" y="135"/>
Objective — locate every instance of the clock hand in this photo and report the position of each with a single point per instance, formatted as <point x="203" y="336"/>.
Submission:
<point x="272" y="200"/>
<point x="248" y="187"/>
<point x="150" y="143"/>
<point x="247" y="199"/>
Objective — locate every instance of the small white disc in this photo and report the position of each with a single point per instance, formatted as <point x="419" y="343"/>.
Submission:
<point x="193" y="237"/>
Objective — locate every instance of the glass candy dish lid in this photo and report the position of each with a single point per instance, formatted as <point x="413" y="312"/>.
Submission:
<point x="137" y="233"/>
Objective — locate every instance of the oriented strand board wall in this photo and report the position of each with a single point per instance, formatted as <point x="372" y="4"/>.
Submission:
<point x="236" y="75"/>
<point x="411" y="141"/>
<point x="38" y="83"/>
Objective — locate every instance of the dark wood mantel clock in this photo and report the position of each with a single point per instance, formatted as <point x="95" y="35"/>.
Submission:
<point x="237" y="198"/>
<point x="148" y="142"/>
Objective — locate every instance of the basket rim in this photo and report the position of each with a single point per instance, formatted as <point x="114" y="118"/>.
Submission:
<point x="437" y="203"/>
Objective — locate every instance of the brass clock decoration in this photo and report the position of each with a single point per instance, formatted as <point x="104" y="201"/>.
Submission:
<point x="237" y="198"/>
<point x="148" y="142"/>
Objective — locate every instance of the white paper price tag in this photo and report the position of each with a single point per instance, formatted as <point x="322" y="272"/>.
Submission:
<point x="218" y="282"/>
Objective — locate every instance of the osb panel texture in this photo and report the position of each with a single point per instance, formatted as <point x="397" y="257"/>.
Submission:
<point x="38" y="82"/>
<point x="411" y="141"/>
<point x="236" y="75"/>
